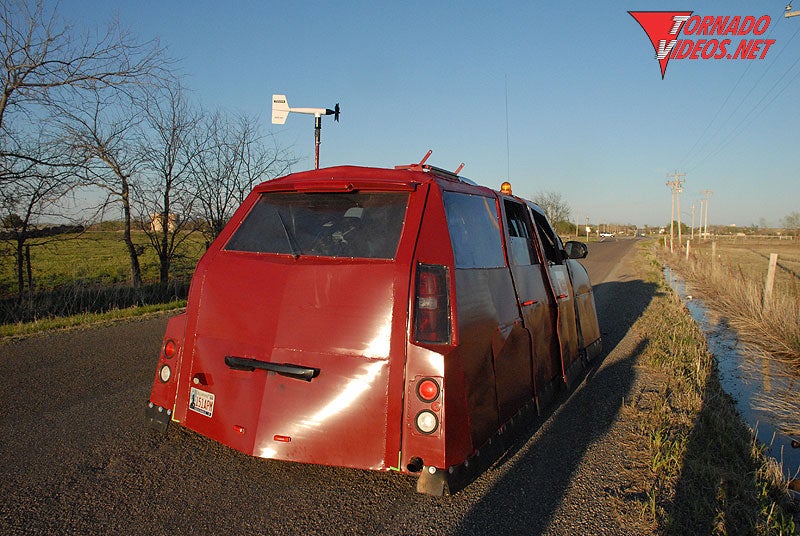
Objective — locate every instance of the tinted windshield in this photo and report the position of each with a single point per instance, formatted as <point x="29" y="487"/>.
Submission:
<point x="356" y="224"/>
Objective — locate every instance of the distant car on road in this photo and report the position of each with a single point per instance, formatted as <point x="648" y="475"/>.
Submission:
<point x="607" y="235"/>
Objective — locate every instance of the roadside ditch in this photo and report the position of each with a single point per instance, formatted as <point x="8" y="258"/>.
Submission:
<point x="706" y="474"/>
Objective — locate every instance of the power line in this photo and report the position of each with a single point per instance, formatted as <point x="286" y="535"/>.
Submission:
<point x="707" y="141"/>
<point x="736" y="131"/>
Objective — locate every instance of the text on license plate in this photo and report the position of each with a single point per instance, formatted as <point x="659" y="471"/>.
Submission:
<point x="201" y="401"/>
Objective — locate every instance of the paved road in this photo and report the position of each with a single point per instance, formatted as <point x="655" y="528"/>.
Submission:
<point x="76" y="457"/>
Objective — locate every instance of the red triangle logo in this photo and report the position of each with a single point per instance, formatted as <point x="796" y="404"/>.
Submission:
<point x="663" y="29"/>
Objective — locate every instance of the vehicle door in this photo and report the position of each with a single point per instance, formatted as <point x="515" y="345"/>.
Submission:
<point x="588" y="327"/>
<point x="562" y="294"/>
<point x="534" y="295"/>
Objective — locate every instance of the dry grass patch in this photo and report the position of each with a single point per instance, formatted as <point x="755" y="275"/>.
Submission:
<point x="770" y="328"/>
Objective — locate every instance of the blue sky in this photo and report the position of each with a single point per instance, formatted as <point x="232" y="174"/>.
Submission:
<point x="588" y="115"/>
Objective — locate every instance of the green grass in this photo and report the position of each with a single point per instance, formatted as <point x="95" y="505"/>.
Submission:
<point x="86" y="278"/>
<point x="77" y="321"/>
<point x="92" y="258"/>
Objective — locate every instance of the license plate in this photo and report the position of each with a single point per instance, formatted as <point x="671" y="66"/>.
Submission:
<point x="201" y="401"/>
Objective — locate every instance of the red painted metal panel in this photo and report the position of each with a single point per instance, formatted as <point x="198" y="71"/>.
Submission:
<point x="336" y="318"/>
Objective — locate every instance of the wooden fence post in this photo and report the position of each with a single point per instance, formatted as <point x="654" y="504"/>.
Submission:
<point x="773" y="263"/>
<point x="713" y="254"/>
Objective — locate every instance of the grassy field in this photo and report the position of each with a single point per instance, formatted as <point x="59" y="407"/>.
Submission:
<point x="86" y="277"/>
<point x="749" y="257"/>
<point x="733" y="282"/>
<point x="92" y="258"/>
<point x="733" y="286"/>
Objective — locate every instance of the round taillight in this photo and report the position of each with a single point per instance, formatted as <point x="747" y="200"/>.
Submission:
<point x="170" y="348"/>
<point x="164" y="373"/>
<point x="428" y="390"/>
<point x="427" y="422"/>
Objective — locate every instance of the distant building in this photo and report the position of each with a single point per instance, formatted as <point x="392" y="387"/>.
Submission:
<point x="157" y="222"/>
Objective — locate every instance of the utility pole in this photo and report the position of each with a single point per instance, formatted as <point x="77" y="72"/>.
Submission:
<point x="707" y="193"/>
<point x="671" y="219"/>
<point x="692" y="221"/>
<point x="789" y="12"/>
<point x="700" y="227"/>
<point x="675" y="186"/>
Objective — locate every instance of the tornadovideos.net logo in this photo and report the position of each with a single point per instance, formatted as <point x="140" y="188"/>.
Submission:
<point x="680" y="35"/>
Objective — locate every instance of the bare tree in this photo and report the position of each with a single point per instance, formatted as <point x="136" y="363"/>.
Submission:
<point x="214" y="174"/>
<point x="232" y="156"/>
<point x="35" y="193"/>
<point x="104" y="135"/>
<point x="165" y="198"/>
<point x="260" y="157"/>
<point x="49" y="67"/>
<point x="554" y="206"/>
<point x="42" y="56"/>
<point x="791" y="222"/>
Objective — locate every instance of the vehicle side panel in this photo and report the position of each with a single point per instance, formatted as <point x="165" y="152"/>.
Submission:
<point x="487" y="317"/>
<point x="567" y="322"/>
<point x="539" y="319"/>
<point x="536" y="300"/>
<point x="584" y="296"/>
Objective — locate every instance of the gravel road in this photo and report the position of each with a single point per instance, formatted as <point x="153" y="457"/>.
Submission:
<point x="76" y="457"/>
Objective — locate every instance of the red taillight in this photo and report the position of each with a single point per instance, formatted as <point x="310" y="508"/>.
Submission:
<point x="432" y="305"/>
<point x="428" y="390"/>
<point x="424" y="410"/>
<point x="170" y="348"/>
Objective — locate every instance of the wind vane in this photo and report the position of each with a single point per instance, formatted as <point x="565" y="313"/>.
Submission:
<point x="280" y="111"/>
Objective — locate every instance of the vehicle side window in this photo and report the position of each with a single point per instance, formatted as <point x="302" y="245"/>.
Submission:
<point x="474" y="230"/>
<point x="520" y="245"/>
<point x="548" y="238"/>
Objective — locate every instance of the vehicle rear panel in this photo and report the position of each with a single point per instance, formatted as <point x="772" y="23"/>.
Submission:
<point x="342" y="317"/>
<point x="291" y="320"/>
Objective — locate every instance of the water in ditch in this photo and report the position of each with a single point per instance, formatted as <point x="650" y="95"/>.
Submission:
<point x="744" y="376"/>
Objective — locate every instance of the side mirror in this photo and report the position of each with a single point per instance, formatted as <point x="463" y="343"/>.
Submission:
<point x="576" y="250"/>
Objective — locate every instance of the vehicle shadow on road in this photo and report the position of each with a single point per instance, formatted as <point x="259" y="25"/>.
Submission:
<point x="537" y="473"/>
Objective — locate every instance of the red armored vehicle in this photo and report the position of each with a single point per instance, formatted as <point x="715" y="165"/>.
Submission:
<point x="399" y="319"/>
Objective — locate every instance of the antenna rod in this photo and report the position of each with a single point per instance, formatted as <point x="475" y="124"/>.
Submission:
<point x="317" y="139"/>
<point x="508" y="146"/>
